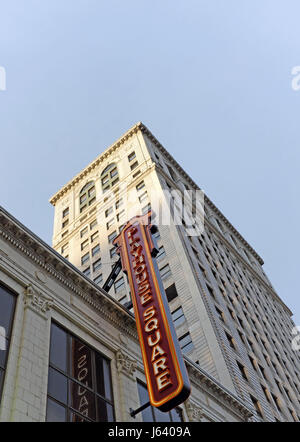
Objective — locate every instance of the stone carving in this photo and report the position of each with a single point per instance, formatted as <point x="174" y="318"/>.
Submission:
<point x="125" y="364"/>
<point x="41" y="277"/>
<point x="194" y="412"/>
<point x="36" y="301"/>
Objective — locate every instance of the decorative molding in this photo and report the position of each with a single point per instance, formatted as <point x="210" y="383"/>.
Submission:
<point x="101" y="158"/>
<point x="56" y="266"/>
<point x="193" y="411"/>
<point x="41" y="276"/>
<point x="37" y="301"/>
<point x="216" y="390"/>
<point x="125" y="364"/>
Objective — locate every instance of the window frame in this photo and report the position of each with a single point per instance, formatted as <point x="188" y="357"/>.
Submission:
<point x="72" y="380"/>
<point x="86" y="197"/>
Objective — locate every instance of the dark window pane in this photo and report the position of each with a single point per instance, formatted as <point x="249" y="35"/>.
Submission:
<point x="86" y="376"/>
<point x="81" y="362"/>
<point x="171" y="292"/>
<point x="77" y="418"/>
<point x="7" y="302"/>
<point x="82" y="400"/>
<point x="55" y="412"/>
<point x="1" y="380"/>
<point x="105" y="411"/>
<point x="103" y="377"/>
<point x="144" y="397"/>
<point x="58" y="347"/>
<point x="3" y="352"/>
<point x="58" y="386"/>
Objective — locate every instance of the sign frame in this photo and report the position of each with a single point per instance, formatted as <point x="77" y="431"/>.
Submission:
<point x="167" y="379"/>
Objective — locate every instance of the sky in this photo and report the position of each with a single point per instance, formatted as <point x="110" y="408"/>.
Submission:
<point x="211" y="79"/>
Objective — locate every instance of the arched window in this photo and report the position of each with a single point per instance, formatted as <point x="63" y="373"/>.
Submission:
<point x="87" y="196"/>
<point x="109" y="177"/>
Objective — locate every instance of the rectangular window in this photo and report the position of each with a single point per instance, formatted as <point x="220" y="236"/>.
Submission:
<point x="65" y="212"/>
<point x="96" y="250"/>
<point x="65" y="233"/>
<point x="153" y="414"/>
<point x="230" y="340"/>
<point x="79" y="381"/>
<point x="123" y="300"/>
<point x="114" y="172"/>
<point x="140" y="186"/>
<point x="277" y="402"/>
<point x="109" y="223"/>
<point x="85" y="258"/>
<point x="95" y="236"/>
<point x="143" y="197"/>
<point x="131" y="156"/>
<point x="134" y="165"/>
<point x="119" y="203"/>
<point x="64" y="248"/>
<point x="99" y="279"/>
<point x="220" y="313"/>
<point x="161" y="253"/>
<point x="171" y="292"/>
<point x="83" y="232"/>
<point x="256" y="405"/>
<point x="119" y="285"/>
<point x="92" y="201"/>
<point x="97" y="265"/>
<point x="87" y="271"/>
<point x="156" y="234"/>
<point x="113" y="252"/>
<point x="136" y="174"/>
<point x="186" y="343"/>
<point x="112" y="236"/>
<point x="146" y="209"/>
<point x="105" y="180"/>
<point x="93" y="224"/>
<point x="165" y="272"/>
<point x="84" y="244"/>
<point x="65" y="223"/>
<point x="178" y="317"/>
<point x="108" y="211"/>
<point x="7" y="310"/>
<point x="243" y="371"/>
<point x="120" y="215"/>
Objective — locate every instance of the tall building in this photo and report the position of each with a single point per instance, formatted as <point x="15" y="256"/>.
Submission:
<point x="229" y="319"/>
<point x="70" y="352"/>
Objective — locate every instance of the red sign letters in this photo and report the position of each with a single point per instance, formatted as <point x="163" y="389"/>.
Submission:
<point x="167" y="380"/>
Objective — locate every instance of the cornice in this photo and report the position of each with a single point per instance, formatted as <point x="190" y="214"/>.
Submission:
<point x="95" y="163"/>
<point x="212" y="387"/>
<point x="224" y="240"/>
<point x="141" y="127"/>
<point x="65" y="273"/>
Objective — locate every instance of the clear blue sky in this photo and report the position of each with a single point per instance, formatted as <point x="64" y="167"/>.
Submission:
<point x="211" y="79"/>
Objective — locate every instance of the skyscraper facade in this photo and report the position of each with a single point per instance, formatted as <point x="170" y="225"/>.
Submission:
<point x="230" y="321"/>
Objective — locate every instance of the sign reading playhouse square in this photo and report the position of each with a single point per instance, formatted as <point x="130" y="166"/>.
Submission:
<point x="167" y="379"/>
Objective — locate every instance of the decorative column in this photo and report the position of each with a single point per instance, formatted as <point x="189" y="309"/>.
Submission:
<point x="30" y="392"/>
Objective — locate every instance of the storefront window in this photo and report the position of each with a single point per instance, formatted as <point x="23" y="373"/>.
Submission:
<point x="79" y="382"/>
